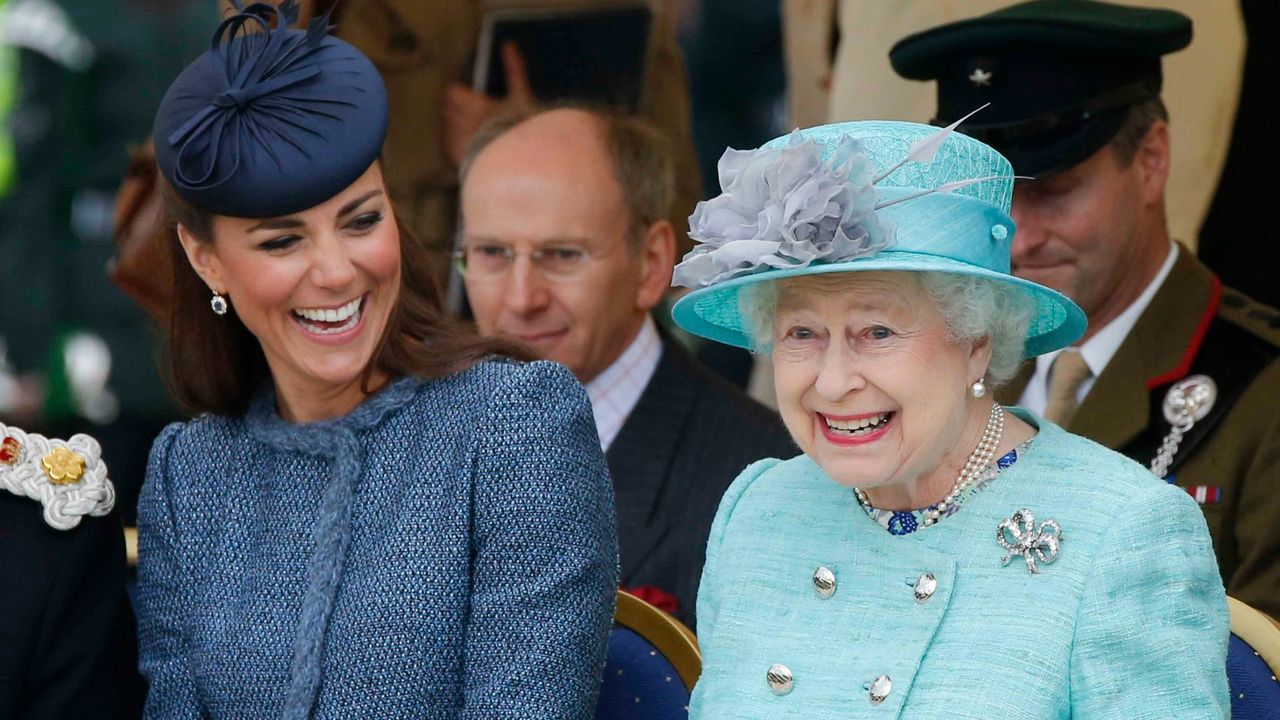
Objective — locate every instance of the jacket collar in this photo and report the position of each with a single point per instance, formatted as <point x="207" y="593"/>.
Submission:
<point x="316" y="438"/>
<point x="640" y="458"/>
<point x="1158" y="350"/>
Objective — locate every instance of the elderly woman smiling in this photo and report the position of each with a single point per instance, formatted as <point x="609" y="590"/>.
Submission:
<point x="931" y="553"/>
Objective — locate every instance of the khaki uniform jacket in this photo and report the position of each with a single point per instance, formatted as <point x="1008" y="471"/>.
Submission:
<point x="1195" y="326"/>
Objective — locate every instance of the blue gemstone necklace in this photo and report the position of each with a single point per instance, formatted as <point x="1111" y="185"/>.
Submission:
<point x="978" y="470"/>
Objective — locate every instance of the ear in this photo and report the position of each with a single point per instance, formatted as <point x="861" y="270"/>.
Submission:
<point x="657" y="258"/>
<point x="979" y="358"/>
<point x="1152" y="159"/>
<point x="204" y="260"/>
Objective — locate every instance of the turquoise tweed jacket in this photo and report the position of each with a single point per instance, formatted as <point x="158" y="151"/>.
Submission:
<point x="1129" y="622"/>
<point x="446" y="550"/>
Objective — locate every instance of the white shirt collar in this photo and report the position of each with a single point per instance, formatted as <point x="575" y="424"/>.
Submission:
<point x="615" y="392"/>
<point x="1098" y="350"/>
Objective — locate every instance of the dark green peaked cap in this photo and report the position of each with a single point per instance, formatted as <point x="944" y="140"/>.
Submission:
<point x="1060" y="75"/>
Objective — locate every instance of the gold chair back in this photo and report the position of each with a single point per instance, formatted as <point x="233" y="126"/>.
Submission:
<point x="675" y="641"/>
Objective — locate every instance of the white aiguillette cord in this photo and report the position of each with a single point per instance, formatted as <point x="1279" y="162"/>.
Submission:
<point x="67" y="477"/>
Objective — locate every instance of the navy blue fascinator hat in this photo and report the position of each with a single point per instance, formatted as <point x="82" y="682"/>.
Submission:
<point x="271" y="120"/>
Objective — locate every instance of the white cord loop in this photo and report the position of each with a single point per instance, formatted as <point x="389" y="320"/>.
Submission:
<point x="68" y="477"/>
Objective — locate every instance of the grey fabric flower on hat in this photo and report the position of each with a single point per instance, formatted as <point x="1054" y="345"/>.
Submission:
<point x="785" y="207"/>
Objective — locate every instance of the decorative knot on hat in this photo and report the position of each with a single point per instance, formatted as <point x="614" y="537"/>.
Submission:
<point x="271" y="120"/>
<point x="256" y="65"/>
<point x="241" y="98"/>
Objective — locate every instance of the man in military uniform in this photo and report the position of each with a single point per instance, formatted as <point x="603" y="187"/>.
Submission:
<point x="1176" y="371"/>
<point x="67" y="646"/>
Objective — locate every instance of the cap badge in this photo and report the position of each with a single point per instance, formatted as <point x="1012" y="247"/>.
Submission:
<point x="981" y="78"/>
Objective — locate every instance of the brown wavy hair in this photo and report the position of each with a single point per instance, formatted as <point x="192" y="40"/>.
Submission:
<point x="215" y="365"/>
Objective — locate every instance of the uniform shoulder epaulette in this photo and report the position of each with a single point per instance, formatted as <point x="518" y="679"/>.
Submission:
<point x="67" y="477"/>
<point x="1260" y="320"/>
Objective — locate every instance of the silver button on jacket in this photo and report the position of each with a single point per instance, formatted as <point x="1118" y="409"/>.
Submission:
<point x="824" y="582"/>
<point x="780" y="680"/>
<point x="925" y="586"/>
<point x="880" y="689"/>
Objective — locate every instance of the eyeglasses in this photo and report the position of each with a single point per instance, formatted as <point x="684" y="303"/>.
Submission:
<point x="489" y="261"/>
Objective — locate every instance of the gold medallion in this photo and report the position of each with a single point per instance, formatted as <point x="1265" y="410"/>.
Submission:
<point x="63" y="466"/>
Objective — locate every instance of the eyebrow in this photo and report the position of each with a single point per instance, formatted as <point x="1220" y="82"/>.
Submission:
<point x="277" y="224"/>
<point x="544" y="241"/>
<point x="351" y="206"/>
<point x="284" y="223"/>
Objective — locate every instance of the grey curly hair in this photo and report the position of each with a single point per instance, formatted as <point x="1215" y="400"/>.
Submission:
<point x="972" y="307"/>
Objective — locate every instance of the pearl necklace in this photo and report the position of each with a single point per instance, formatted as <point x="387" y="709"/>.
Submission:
<point x="977" y="463"/>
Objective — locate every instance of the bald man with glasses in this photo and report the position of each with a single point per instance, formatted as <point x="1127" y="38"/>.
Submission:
<point x="565" y="247"/>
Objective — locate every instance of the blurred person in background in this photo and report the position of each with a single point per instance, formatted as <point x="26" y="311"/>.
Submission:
<point x="78" y="355"/>
<point x="67" y="633"/>
<point x="1237" y="242"/>
<point x="8" y="85"/>
<point x="67" y="642"/>
<point x="78" y="82"/>
<point x="377" y="512"/>
<point x="565" y="247"/>
<point x="1176" y="371"/>
<point x="725" y="41"/>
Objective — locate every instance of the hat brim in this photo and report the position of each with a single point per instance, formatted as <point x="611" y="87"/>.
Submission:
<point x="713" y="312"/>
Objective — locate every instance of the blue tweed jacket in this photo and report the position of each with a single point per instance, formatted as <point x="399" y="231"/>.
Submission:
<point x="446" y="550"/>
<point x="1129" y="622"/>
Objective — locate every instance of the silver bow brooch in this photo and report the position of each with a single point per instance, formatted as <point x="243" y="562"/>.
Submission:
<point x="1019" y="536"/>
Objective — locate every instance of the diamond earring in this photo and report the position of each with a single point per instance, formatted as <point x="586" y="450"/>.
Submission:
<point x="978" y="388"/>
<point x="218" y="303"/>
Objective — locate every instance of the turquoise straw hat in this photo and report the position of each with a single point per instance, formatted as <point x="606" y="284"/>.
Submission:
<point x="858" y="196"/>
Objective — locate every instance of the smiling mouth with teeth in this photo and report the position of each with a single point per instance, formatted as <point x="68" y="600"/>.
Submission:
<point x="861" y="426"/>
<point x="331" y="321"/>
